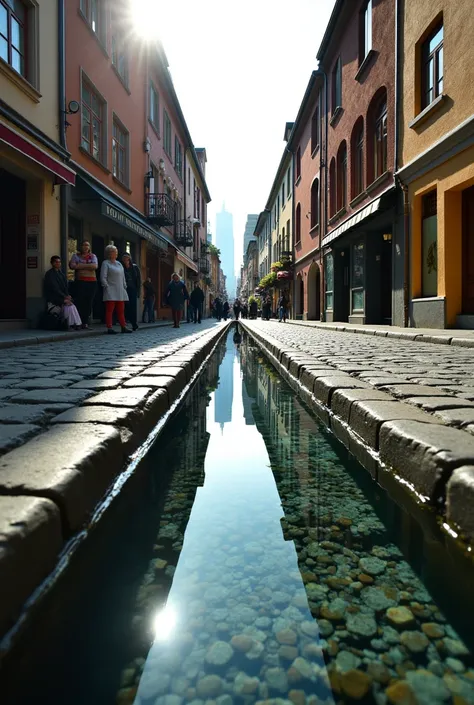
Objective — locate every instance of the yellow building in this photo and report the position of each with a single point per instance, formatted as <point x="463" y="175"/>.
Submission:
<point x="436" y="157"/>
<point x="32" y="160"/>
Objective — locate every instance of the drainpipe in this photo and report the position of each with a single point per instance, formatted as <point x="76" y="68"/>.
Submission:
<point x="63" y="189"/>
<point x="406" y="252"/>
<point x="324" y="164"/>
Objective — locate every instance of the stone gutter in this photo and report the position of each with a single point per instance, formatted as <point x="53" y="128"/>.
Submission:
<point x="61" y="482"/>
<point x="400" y="446"/>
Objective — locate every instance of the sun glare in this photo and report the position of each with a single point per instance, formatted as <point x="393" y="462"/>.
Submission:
<point x="164" y="623"/>
<point x="146" y="18"/>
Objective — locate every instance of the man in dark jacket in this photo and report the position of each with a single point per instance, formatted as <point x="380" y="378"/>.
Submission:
<point x="134" y="286"/>
<point x="218" y="308"/>
<point x="176" y="295"/>
<point x="197" y="299"/>
<point x="149" y="297"/>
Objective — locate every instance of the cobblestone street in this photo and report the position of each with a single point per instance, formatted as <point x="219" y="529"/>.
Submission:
<point x="437" y="378"/>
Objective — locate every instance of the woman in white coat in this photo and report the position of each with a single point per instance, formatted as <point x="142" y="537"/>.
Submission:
<point x="112" y="278"/>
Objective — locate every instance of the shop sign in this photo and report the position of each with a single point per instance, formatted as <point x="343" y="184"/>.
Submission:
<point x="32" y="263"/>
<point x="31" y="241"/>
<point x="123" y="219"/>
<point x="32" y="220"/>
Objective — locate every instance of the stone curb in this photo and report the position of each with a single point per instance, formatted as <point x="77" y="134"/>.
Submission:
<point x="410" y="333"/>
<point x="56" y="480"/>
<point x="385" y="434"/>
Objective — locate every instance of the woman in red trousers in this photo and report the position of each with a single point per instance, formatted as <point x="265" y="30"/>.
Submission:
<point x="112" y="278"/>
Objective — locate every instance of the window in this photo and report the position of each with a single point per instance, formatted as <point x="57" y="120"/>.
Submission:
<point x="287" y="246"/>
<point x="154" y="108"/>
<point x="92" y="123"/>
<point x="120" y="153"/>
<point x="13" y="15"/>
<point x="329" y="280"/>
<point x="298" y="163"/>
<point x="432" y="66"/>
<point x="189" y="181"/>
<point x="429" y="244"/>
<point x="278" y="208"/>
<point x="283" y="194"/>
<point x="178" y="157"/>
<point x="166" y="133"/>
<point x="288" y="182"/>
<point x="92" y="11"/>
<point x="342" y="177"/>
<point x="332" y="187"/>
<point x="358" y="277"/>
<point x="119" y="53"/>
<point x="365" y="31"/>
<point x="315" y="130"/>
<point x="315" y="203"/>
<point x="298" y="224"/>
<point x="357" y="154"/>
<point x="337" y="85"/>
<point x="380" y="141"/>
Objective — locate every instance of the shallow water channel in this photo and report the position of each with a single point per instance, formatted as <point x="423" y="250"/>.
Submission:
<point x="251" y="558"/>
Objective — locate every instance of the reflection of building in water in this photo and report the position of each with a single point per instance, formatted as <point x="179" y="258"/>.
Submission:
<point x="225" y="391"/>
<point x="247" y="404"/>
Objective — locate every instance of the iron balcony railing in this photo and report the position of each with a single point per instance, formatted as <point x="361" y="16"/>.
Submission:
<point x="160" y="209"/>
<point x="204" y="265"/>
<point x="184" y="233"/>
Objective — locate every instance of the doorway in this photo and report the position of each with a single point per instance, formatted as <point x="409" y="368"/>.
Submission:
<point x="314" y="293"/>
<point x="468" y="251"/>
<point x="386" y="281"/>
<point x="343" y="295"/>
<point x="12" y="246"/>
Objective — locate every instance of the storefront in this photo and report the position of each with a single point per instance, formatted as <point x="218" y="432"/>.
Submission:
<point x="358" y="265"/>
<point x="30" y="171"/>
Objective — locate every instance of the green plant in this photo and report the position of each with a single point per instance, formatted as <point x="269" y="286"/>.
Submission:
<point x="252" y="299"/>
<point x="214" y="250"/>
<point x="268" y="280"/>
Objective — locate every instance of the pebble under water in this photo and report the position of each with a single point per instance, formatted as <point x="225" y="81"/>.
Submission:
<point x="263" y="565"/>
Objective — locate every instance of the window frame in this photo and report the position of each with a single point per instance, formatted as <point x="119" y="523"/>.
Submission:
<point x="328" y="293"/>
<point x="167" y="133"/>
<point x="102" y="119"/>
<point x="119" y="52"/>
<point x="87" y="11"/>
<point x="178" y="152"/>
<point x="298" y="164"/>
<point x="122" y="148"/>
<point x="366" y="31"/>
<point x="358" y="162"/>
<point x="315" y="203"/>
<point x="11" y="16"/>
<point x="152" y="104"/>
<point x="380" y="155"/>
<point x="341" y="176"/>
<point x="315" y="128"/>
<point x="428" y="57"/>
<point x="336" y="85"/>
<point x="298" y="224"/>
<point x="332" y="187"/>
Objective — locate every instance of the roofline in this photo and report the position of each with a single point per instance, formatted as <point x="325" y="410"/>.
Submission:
<point x="333" y="20"/>
<point x="174" y="97"/>
<point x="276" y="181"/>
<point x="260" y="222"/>
<point x="315" y="75"/>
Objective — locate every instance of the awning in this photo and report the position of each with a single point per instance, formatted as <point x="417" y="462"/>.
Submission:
<point x="185" y="259"/>
<point x="63" y="174"/>
<point x="355" y="219"/>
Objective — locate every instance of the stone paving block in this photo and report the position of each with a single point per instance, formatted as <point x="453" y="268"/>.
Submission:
<point x="438" y="339"/>
<point x="366" y="417"/>
<point x="123" y="415"/>
<point x="171" y="384"/>
<point x="172" y="363"/>
<point x="96" y="384"/>
<point x="71" y="464"/>
<point x="463" y="342"/>
<point x="342" y="400"/>
<point x="325" y="386"/>
<point x="24" y="413"/>
<point x="461" y="392"/>
<point x="403" y="391"/>
<point x="425" y="454"/>
<point x="438" y="403"/>
<point x="30" y="540"/>
<point x="8" y="394"/>
<point x="121" y="397"/>
<point x="38" y="374"/>
<point x="13" y="435"/>
<point x="156" y="406"/>
<point x="54" y="396"/>
<point x="115" y="374"/>
<point x="40" y="383"/>
<point x="460" y="500"/>
<point x="309" y="374"/>
<point x="457" y="417"/>
<point x="179" y="373"/>
<point x="364" y="456"/>
<point x="340" y="431"/>
<point x="69" y="378"/>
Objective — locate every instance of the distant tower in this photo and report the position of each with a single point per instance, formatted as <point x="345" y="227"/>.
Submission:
<point x="225" y="243"/>
<point x="249" y="230"/>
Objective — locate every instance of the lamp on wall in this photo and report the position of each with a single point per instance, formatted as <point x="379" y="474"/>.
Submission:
<point x="387" y="237"/>
<point x="162" y="166"/>
<point x="147" y="146"/>
<point x="73" y="108"/>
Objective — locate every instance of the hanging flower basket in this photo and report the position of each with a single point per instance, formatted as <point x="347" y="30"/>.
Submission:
<point x="285" y="275"/>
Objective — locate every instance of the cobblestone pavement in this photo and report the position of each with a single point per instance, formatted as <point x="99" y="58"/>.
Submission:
<point x="436" y="378"/>
<point x="40" y="382"/>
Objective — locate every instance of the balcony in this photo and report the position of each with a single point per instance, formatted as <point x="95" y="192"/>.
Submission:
<point x="204" y="265"/>
<point x="160" y="209"/>
<point x="184" y="233"/>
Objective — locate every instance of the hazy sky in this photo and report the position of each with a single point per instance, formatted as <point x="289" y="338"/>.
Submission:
<point x="240" y="70"/>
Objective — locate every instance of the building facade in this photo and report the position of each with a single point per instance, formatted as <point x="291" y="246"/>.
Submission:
<point x="33" y="155"/>
<point x="249" y="230"/>
<point x="436" y="162"/>
<point x="357" y="56"/>
<point x="305" y="144"/>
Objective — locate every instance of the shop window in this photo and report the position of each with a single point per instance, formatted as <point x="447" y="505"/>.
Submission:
<point x="298" y="224"/>
<point x="154" y="108"/>
<point x="167" y="133"/>
<point x="432" y="70"/>
<point x="332" y="187"/>
<point x="357" y="278"/>
<point x="342" y="176"/>
<point x="315" y="121"/>
<point x="336" y="86"/>
<point x="315" y="203"/>
<point x="13" y="28"/>
<point x="329" y="281"/>
<point x="120" y="152"/>
<point x="357" y="155"/>
<point x="92" y="122"/>
<point x="429" y="233"/>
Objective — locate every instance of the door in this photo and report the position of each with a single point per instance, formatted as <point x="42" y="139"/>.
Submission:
<point x="12" y="246"/>
<point x="386" y="281"/>
<point x="468" y="251"/>
<point x="344" y="303"/>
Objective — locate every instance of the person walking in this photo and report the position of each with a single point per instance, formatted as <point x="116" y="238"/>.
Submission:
<point x="149" y="297"/>
<point x="266" y="309"/>
<point x="253" y="309"/>
<point x="84" y="264"/>
<point x="225" y="310"/>
<point x="218" y="308"/>
<point x="245" y="310"/>
<point x="176" y="295"/>
<point x="197" y="300"/>
<point x="114" y="284"/>
<point x="282" y="308"/>
<point x="57" y="295"/>
<point x="134" y="285"/>
<point x="237" y="309"/>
